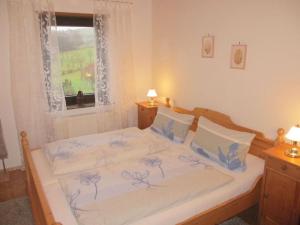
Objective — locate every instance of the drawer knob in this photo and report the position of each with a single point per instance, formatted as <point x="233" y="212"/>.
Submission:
<point x="284" y="167"/>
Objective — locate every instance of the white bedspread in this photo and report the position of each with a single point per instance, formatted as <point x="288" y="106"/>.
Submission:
<point x="242" y="182"/>
<point x="90" y="151"/>
<point x="140" y="187"/>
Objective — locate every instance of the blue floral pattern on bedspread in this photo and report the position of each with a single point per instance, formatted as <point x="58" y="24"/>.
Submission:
<point x="66" y="150"/>
<point x="73" y="203"/>
<point x="138" y="178"/>
<point x="193" y="160"/>
<point x="88" y="189"/>
<point x="88" y="152"/>
<point x="90" y="179"/>
<point x="154" y="162"/>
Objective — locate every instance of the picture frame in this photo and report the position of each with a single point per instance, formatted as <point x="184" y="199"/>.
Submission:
<point x="208" y="46"/>
<point x="238" y="56"/>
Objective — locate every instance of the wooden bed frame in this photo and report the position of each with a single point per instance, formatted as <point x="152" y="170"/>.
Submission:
<point x="43" y="216"/>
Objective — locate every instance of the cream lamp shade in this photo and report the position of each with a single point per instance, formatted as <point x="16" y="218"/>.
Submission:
<point x="294" y="136"/>
<point x="151" y="93"/>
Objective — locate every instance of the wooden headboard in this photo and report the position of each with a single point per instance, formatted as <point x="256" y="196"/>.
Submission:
<point x="259" y="143"/>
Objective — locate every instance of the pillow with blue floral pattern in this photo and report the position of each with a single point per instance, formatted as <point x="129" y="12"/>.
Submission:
<point x="173" y="125"/>
<point x="226" y="146"/>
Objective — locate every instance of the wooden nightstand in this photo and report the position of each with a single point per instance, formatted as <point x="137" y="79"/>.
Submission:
<point x="146" y="114"/>
<point x="280" y="201"/>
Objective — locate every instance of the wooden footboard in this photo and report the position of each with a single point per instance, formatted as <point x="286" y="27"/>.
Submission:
<point x="40" y="208"/>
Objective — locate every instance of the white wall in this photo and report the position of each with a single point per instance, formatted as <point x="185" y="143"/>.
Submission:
<point x="142" y="40"/>
<point x="142" y="46"/>
<point x="6" y="108"/>
<point x="266" y="95"/>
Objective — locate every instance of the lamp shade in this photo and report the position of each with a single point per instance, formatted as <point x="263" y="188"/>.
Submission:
<point x="294" y="133"/>
<point x="151" y="93"/>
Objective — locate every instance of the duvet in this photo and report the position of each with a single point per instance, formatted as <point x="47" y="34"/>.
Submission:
<point x="91" y="151"/>
<point x="125" y="192"/>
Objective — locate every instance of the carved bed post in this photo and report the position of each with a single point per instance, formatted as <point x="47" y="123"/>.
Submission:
<point x="24" y="141"/>
<point x="168" y="102"/>
<point x="40" y="208"/>
<point x="280" y="137"/>
<point x="25" y="148"/>
<point x="29" y="181"/>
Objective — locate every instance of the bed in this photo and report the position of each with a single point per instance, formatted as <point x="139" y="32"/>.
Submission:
<point x="212" y="208"/>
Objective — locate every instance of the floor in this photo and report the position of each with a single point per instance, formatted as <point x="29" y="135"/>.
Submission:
<point x="250" y="216"/>
<point x="15" y="188"/>
<point x="16" y="212"/>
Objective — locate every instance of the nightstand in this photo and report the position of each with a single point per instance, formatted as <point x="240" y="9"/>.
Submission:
<point x="146" y="114"/>
<point x="280" y="199"/>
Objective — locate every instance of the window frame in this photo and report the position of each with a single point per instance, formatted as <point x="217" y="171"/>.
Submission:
<point x="76" y="20"/>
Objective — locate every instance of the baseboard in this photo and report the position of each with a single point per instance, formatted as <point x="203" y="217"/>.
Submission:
<point x="13" y="168"/>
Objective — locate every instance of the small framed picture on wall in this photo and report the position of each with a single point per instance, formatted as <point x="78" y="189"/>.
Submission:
<point x="208" y="46"/>
<point x="238" y="56"/>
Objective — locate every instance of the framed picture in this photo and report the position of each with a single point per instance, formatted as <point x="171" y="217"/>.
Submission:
<point x="208" y="46"/>
<point x="238" y="56"/>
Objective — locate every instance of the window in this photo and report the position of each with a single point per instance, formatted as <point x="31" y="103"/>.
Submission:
<point x="76" y="41"/>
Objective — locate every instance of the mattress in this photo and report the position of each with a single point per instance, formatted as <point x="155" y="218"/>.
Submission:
<point x="243" y="182"/>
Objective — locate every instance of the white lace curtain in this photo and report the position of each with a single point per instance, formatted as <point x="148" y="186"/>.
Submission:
<point x="29" y="99"/>
<point x="36" y="76"/>
<point x="115" y="90"/>
<point x="51" y="61"/>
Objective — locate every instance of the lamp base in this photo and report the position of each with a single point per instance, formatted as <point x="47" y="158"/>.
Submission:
<point x="292" y="152"/>
<point x="151" y="102"/>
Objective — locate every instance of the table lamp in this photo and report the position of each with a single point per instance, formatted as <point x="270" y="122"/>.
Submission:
<point x="294" y="136"/>
<point x="151" y="95"/>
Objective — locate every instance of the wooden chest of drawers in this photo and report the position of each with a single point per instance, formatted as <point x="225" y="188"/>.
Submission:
<point x="146" y="114"/>
<point x="280" y="201"/>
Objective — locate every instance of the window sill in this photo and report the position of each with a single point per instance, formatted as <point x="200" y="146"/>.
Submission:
<point x="74" y="112"/>
<point x="85" y="105"/>
<point x="81" y="111"/>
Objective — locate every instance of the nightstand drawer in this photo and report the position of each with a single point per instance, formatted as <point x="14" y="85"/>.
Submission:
<point x="283" y="167"/>
<point x="146" y="114"/>
<point x="280" y="199"/>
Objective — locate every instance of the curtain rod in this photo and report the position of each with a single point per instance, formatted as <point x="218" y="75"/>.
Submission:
<point x="115" y="1"/>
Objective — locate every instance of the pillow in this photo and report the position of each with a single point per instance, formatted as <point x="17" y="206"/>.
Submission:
<point x="172" y="125"/>
<point x="227" y="147"/>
